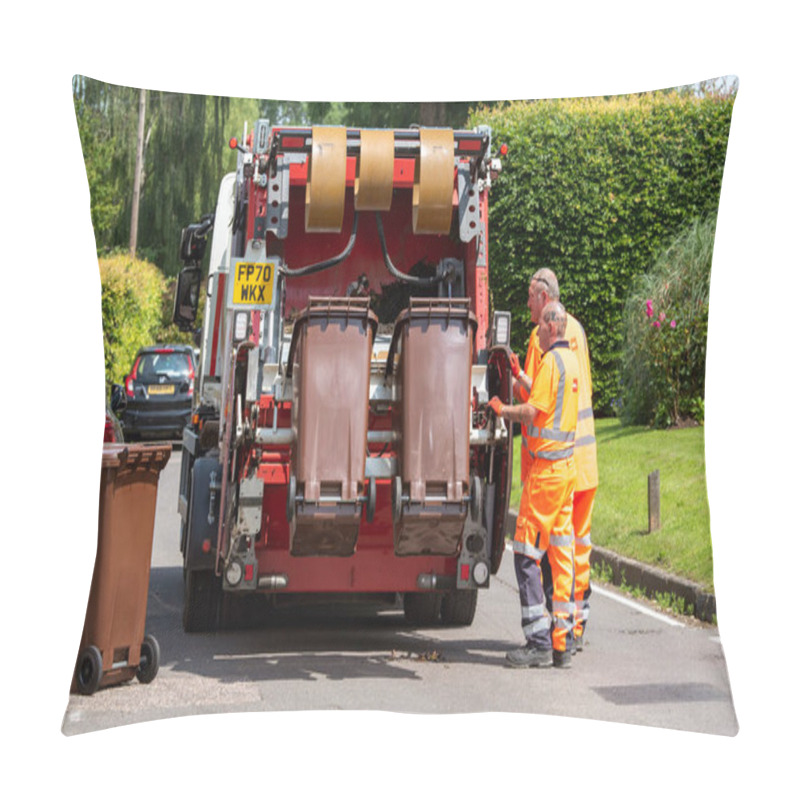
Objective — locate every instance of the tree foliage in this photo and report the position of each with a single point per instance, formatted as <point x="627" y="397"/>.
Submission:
<point x="595" y="188"/>
<point x="131" y="297"/>
<point x="666" y="324"/>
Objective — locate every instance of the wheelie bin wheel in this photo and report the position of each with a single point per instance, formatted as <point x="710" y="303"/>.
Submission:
<point x="476" y="498"/>
<point x="149" y="658"/>
<point x="89" y="670"/>
<point x="371" y="499"/>
<point x="291" y="495"/>
<point x="397" y="498"/>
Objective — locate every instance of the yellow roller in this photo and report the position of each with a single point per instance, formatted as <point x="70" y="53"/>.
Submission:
<point x="433" y="181"/>
<point x="375" y="171"/>
<point x="327" y="176"/>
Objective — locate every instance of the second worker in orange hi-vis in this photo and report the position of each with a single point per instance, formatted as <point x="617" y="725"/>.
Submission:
<point x="544" y="524"/>
<point x="543" y="289"/>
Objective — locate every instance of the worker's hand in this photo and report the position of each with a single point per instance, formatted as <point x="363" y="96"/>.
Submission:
<point x="515" y="367"/>
<point x="496" y="406"/>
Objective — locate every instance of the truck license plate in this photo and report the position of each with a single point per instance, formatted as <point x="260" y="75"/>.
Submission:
<point x="253" y="283"/>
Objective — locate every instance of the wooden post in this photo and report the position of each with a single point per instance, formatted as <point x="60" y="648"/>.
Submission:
<point x="654" y="501"/>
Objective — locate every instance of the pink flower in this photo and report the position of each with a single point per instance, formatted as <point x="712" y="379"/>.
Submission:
<point x="673" y="324"/>
<point x="656" y="324"/>
<point x="649" y="305"/>
<point x="662" y="316"/>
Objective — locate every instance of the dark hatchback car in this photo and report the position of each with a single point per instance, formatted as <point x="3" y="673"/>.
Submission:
<point x="159" y="392"/>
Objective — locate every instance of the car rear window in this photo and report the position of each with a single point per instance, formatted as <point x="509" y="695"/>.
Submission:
<point x="172" y="366"/>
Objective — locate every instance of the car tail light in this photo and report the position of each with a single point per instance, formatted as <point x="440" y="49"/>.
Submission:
<point x="191" y="377"/>
<point x="129" y="386"/>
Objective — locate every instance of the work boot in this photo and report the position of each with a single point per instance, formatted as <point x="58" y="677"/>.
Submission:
<point x="578" y="644"/>
<point x="530" y="657"/>
<point x="562" y="659"/>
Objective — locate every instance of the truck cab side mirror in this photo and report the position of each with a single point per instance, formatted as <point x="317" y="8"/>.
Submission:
<point x="187" y="298"/>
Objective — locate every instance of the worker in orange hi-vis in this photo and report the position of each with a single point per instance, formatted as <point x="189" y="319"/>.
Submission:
<point x="544" y="524"/>
<point x="542" y="290"/>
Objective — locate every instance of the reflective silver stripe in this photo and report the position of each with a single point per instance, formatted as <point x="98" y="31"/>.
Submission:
<point x="585" y="413"/>
<point x="525" y="549"/>
<point x="550" y="434"/>
<point x="561" y="541"/>
<point x="560" y="622"/>
<point x="542" y="624"/>
<point x="563" y="607"/>
<point x="583" y="541"/>
<point x="584" y="441"/>
<point x="532" y="612"/>
<point x="552" y="455"/>
<point x="562" y="378"/>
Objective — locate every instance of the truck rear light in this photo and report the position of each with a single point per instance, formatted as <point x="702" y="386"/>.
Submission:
<point x="233" y="573"/>
<point x="465" y="572"/>
<point x="248" y="572"/>
<point x="480" y="573"/>
<point x="206" y="546"/>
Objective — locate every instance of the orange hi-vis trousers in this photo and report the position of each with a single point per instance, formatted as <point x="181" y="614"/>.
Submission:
<point x="582" y="505"/>
<point x="544" y="527"/>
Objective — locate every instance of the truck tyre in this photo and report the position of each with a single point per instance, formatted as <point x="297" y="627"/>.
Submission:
<point x="202" y="598"/>
<point x="149" y="658"/>
<point x="89" y="670"/>
<point x="458" y="607"/>
<point x="422" y="608"/>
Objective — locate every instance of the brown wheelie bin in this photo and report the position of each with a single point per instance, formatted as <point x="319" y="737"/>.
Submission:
<point x="435" y="339"/>
<point x="330" y="361"/>
<point x="114" y="647"/>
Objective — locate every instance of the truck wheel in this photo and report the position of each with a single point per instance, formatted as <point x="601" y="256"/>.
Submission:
<point x="422" y="608"/>
<point x="458" y="607"/>
<point x="202" y="596"/>
<point x="149" y="658"/>
<point x="89" y="670"/>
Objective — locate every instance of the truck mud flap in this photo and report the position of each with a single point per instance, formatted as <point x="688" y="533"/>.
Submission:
<point x="201" y="537"/>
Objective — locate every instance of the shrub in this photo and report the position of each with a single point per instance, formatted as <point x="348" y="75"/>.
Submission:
<point x="666" y="323"/>
<point x="594" y="188"/>
<point x="131" y="297"/>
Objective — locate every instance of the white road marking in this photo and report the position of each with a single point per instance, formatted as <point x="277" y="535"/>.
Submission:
<point x="627" y="602"/>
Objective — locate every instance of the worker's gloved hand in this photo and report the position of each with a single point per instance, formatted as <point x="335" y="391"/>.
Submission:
<point x="515" y="367"/>
<point x="496" y="405"/>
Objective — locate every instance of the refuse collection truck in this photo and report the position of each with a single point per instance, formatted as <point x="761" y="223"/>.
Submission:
<point x="340" y="444"/>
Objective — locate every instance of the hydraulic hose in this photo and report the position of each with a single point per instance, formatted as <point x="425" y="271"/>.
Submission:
<point x="401" y="276"/>
<point x="310" y="269"/>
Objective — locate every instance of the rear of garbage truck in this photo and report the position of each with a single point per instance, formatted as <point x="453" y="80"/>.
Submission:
<point x="341" y="444"/>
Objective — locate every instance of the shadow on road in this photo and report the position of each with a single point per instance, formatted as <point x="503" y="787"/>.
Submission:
<point x="303" y="642"/>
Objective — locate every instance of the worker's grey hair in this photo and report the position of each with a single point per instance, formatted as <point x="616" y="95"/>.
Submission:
<point x="556" y="313"/>
<point x="548" y="279"/>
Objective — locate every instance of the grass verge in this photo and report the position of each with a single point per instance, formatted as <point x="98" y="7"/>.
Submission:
<point x="626" y="456"/>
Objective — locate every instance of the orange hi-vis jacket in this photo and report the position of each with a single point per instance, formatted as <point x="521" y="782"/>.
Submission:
<point x="555" y="396"/>
<point x="585" y="443"/>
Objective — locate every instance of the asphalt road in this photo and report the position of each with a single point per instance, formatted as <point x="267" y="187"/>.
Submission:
<point x="639" y="666"/>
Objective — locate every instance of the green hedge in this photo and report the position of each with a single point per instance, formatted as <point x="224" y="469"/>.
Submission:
<point x="595" y="188"/>
<point x="131" y="297"/>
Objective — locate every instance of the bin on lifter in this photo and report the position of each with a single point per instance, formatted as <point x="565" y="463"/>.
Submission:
<point x="434" y="338"/>
<point x="329" y="363"/>
<point x="114" y="647"/>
